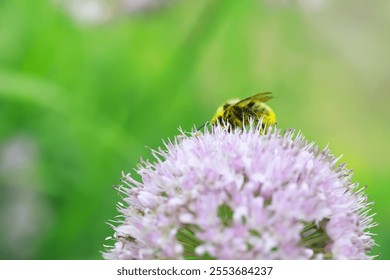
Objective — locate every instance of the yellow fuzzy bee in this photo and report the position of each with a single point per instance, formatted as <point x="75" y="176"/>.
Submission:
<point x="238" y="112"/>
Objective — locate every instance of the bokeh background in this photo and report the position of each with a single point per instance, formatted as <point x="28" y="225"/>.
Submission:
<point x="88" y="87"/>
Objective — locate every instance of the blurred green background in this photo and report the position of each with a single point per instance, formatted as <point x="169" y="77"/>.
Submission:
<point x="80" y="101"/>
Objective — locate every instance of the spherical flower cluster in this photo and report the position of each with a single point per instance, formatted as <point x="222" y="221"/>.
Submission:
<point x="223" y="194"/>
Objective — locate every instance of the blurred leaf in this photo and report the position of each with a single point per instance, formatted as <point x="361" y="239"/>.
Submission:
<point x="38" y="91"/>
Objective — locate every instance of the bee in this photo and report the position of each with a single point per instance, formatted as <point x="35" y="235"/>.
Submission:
<point x="238" y="112"/>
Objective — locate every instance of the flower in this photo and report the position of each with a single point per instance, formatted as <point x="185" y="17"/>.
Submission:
<point x="225" y="194"/>
<point x="87" y="11"/>
<point x="100" y="11"/>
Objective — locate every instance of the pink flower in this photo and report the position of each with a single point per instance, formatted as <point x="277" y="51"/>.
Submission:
<point x="226" y="194"/>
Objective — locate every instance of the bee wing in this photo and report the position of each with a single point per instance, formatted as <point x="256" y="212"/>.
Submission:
<point x="262" y="97"/>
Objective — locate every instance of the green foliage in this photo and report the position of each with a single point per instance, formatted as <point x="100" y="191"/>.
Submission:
<point x="93" y="99"/>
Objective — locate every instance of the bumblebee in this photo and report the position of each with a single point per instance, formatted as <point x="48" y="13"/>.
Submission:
<point x="238" y="112"/>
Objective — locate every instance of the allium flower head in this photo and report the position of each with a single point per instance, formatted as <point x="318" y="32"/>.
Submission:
<point x="226" y="194"/>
